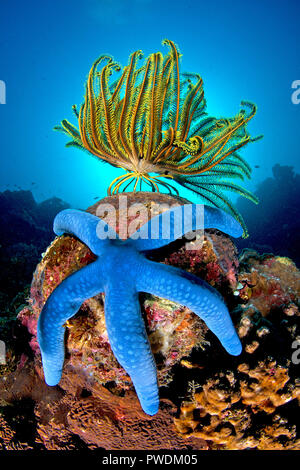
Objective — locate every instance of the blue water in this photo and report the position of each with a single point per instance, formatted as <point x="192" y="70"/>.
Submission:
<point x="243" y="50"/>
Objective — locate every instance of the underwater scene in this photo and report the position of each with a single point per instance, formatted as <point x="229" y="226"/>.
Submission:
<point x="150" y="228"/>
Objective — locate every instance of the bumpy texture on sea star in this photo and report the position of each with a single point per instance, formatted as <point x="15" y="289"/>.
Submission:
<point x="121" y="271"/>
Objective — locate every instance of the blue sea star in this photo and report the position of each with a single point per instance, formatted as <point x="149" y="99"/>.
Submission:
<point x="121" y="271"/>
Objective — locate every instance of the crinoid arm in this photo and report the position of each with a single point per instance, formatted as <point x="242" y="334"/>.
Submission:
<point x="211" y="190"/>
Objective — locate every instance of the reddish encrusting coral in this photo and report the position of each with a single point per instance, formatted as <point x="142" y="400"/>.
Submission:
<point x="269" y="281"/>
<point x="215" y="260"/>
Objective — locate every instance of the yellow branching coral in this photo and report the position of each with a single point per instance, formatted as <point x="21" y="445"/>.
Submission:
<point x="152" y="123"/>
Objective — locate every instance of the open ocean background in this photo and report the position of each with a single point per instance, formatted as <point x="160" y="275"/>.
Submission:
<point x="243" y="50"/>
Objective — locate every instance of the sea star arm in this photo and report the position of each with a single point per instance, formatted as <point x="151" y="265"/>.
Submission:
<point x="91" y="230"/>
<point x="176" y="222"/>
<point x="186" y="289"/>
<point x="61" y="305"/>
<point x="128" y="339"/>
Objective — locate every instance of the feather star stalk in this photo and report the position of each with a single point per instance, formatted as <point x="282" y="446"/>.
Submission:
<point x="121" y="271"/>
<point x="151" y="122"/>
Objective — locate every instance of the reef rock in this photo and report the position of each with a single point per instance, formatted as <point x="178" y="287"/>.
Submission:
<point x="209" y="400"/>
<point x="173" y="330"/>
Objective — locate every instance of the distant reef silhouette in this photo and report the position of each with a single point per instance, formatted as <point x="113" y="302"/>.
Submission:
<point x="274" y="225"/>
<point x="25" y="232"/>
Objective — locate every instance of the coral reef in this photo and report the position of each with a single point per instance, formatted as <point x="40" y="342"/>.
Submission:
<point x="268" y="281"/>
<point x="74" y="418"/>
<point x="209" y="400"/>
<point x="256" y="404"/>
<point x="243" y="409"/>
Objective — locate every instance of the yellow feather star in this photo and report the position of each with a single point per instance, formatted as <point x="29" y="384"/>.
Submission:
<point x="152" y="123"/>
